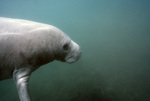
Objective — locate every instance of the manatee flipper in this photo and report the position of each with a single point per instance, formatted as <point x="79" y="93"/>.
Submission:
<point x="21" y="77"/>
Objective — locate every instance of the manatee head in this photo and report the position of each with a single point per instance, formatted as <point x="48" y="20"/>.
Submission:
<point x="67" y="50"/>
<point x="73" y="51"/>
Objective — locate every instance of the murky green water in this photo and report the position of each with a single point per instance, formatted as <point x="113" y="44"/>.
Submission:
<point x="115" y="39"/>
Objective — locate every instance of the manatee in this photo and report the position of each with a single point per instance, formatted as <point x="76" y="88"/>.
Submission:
<point x="27" y="45"/>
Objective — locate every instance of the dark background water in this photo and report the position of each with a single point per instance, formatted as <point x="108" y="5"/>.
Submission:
<point x="114" y="36"/>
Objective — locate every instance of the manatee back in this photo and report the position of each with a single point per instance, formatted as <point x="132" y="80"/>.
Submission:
<point x="19" y="26"/>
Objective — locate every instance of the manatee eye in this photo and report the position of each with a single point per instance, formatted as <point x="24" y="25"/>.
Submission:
<point x="66" y="47"/>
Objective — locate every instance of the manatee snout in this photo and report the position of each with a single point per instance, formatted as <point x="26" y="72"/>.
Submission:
<point x="74" y="54"/>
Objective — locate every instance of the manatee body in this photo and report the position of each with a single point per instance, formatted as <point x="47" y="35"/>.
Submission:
<point x="26" y="45"/>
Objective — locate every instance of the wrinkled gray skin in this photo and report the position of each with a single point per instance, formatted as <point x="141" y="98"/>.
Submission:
<point x="26" y="45"/>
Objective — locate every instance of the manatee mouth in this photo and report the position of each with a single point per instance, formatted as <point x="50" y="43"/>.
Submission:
<point x="73" y="58"/>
